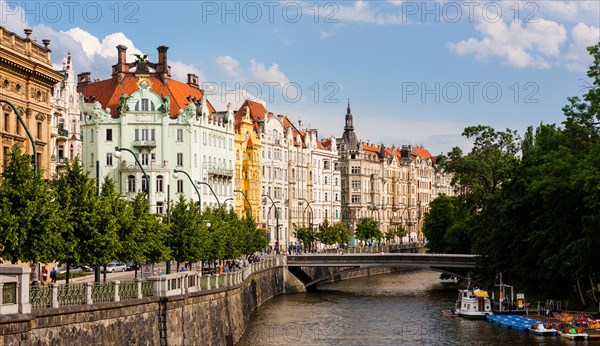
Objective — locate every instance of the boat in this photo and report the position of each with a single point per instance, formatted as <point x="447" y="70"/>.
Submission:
<point x="449" y="313"/>
<point x="573" y="333"/>
<point x="543" y="329"/>
<point x="473" y="303"/>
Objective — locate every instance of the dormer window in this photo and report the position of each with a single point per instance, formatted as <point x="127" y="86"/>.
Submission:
<point x="144" y="105"/>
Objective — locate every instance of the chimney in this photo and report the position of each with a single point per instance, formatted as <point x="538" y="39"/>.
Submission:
<point x="121" y="67"/>
<point x="162" y="66"/>
<point x="192" y="80"/>
<point x="83" y="79"/>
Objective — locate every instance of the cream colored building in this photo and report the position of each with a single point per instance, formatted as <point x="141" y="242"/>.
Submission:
<point x="26" y="80"/>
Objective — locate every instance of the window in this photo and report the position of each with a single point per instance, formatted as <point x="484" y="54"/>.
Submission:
<point x="109" y="136"/>
<point x="159" y="207"/>
<point x="356" y="184"/>
<point x="180" y="186"/>
<point x="144" y="134"/>
<point x="179" y="135"/>
<point x="109" y="159"/>
<point x="144" y="184"/>
<point x="39" y="130"/>
<point x="326" y="164"/>
<point x="355" y="199"/>
<point x="325" y="196"/>
<point x="136" y="134"/>
<point x="144" y="104"/>
<point x="336" y="197"/>
<point x="326" y="181"/>
<point x="144" y="157"/>
<point x="179" y="159"/>
<point x="355" y="170"/>
<point x="131" y="183"/>
<point x="159" y="183"/>
<point x="153" y="134"/>
<point x="6" y="122"/>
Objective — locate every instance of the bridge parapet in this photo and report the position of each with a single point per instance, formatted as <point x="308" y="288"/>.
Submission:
<point x="384" y="259"/>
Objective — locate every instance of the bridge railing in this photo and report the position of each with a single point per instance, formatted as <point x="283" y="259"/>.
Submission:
<point x="375" y="248"/>
<point x="59" y="295"/>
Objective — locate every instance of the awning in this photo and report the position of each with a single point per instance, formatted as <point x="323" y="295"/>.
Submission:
<point x="481" y="294"/>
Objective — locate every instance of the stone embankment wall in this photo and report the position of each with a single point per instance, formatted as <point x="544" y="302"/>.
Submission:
<point x="216" y="317"/>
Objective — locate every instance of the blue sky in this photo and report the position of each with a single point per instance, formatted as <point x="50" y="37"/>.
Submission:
<point x="416" y="72"/>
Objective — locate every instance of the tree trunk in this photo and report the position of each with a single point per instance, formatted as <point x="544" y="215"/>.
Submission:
<point x="593" y="288"/>
<point x="581" y="298"/>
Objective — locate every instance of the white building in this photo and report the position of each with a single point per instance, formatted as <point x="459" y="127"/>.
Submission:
<point x="65" y="141"/>
<point x="169" y="125"/>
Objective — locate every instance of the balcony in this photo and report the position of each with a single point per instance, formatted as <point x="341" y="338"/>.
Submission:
<point x="144" y="144"/>
<point x="220" y="172"/>
<point x="60" y="160"/>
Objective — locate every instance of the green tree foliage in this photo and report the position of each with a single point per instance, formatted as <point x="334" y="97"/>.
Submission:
<point x="29" y="224"/>
<point x="368" y="229"/>
<point x="188" y="231"/>
<point x="533" y="216"/>
<point x="327" y="234"/>
<point x="306" y="235"/>
<point x="342" y="232"/>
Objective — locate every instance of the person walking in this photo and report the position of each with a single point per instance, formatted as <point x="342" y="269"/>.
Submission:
<point x="53" y="275"/>
<point x="44" y="276"/>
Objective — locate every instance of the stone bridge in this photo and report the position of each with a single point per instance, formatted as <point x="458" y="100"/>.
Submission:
<point x="312" y="269"/>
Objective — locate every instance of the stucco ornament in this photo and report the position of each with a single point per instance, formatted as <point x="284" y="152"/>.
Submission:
<point x="123" y="106"/>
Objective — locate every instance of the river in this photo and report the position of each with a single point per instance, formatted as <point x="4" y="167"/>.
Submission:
<point x="391" y="309"/>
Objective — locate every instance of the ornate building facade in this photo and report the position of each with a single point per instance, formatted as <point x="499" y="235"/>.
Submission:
<point x="26" y="81"/>
<point x="393" y="185"/>
<point x="169" y="125"/>
<point x="66" y="142"/>
<point x="247" y="164"/>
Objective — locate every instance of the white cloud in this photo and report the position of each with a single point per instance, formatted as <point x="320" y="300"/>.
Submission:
<point x="229" y="65"/>
<point x="583" y="36"/>
<point x="518" y="44"/>
<point x="272" y="74"/>
<point x="360" y="11"/>
<point x="180" y="70"/>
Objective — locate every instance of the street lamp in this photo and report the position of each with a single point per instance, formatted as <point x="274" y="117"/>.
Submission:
<point x="35" y="165"/>
<point x="175" y="175"/>
<point x="276" y="221"/>
<point x="246" y="198"/>
<point x="307" y="206"/>
<point x="117" y="154"/>
<point x="211" y="190"/>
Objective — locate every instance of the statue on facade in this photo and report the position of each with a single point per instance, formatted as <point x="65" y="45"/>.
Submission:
<point x="123" y="106"/>
<point x="165" y="106"/>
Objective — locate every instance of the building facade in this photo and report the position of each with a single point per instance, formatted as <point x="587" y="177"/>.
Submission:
<point x="66" y="142"/>
<point x="247" y="164"/>
<point x="393" y="185"/>
<point x="167" y="125"/>
<point x="26" y="81"/>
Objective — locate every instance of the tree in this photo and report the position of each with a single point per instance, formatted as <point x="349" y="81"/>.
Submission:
<point x="342" y="233"/>
<point x="80" y="219"/>
<point x="188" y="233"/>
<point x="327" y="234"/>
<point x="306" y="235"/>
<point x="29" y="221"/>
<point x="368" y="229"/>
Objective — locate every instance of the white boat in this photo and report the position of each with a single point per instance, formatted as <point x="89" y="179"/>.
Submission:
<point x="574" y="333"/>
<point x="473" y="303"/>
<point x="543" y="329"/>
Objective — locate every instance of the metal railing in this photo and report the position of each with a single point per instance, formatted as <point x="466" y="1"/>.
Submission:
<point x="59" y="295"/>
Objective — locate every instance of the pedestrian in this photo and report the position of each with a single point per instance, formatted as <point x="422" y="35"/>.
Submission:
<point x="53" y="275"/>
<point x="44" y="275"/>
<point x="35" y="276"/>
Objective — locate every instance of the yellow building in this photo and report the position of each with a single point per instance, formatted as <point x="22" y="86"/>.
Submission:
<point x="247" y="160"/>
<point x="26" y="81"/>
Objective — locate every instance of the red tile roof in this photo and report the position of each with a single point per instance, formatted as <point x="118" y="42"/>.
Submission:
<point x="422" y="152"/>
<point x="257" y="113"/>
<point x="109" y="91"/>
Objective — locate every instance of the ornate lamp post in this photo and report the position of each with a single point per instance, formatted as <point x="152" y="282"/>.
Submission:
<point x="276" y="221"/>
<point x="211" y="190"/>
<point x="117" y="154"/>
<point x="35" y="165"/>
<point x="247" y="201"/>
<point x="175" y="175"/>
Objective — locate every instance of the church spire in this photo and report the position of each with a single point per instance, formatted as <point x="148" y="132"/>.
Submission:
<point x="349" y="120"/>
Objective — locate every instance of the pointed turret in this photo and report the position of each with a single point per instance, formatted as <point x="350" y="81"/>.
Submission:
<point x="349" y="137"/>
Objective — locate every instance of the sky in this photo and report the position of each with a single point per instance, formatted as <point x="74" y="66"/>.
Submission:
<point x="416" y="72"/>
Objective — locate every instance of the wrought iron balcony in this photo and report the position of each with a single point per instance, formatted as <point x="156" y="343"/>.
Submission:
<point x="144" y="144"/>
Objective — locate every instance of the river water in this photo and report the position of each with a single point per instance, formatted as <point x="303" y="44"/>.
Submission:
<point x="391" y="309"/>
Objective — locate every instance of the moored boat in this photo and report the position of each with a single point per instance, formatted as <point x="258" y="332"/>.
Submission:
<point x="543" y="329"/>
<point x="573" y="333"/>
<point x="473" y="303"/>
